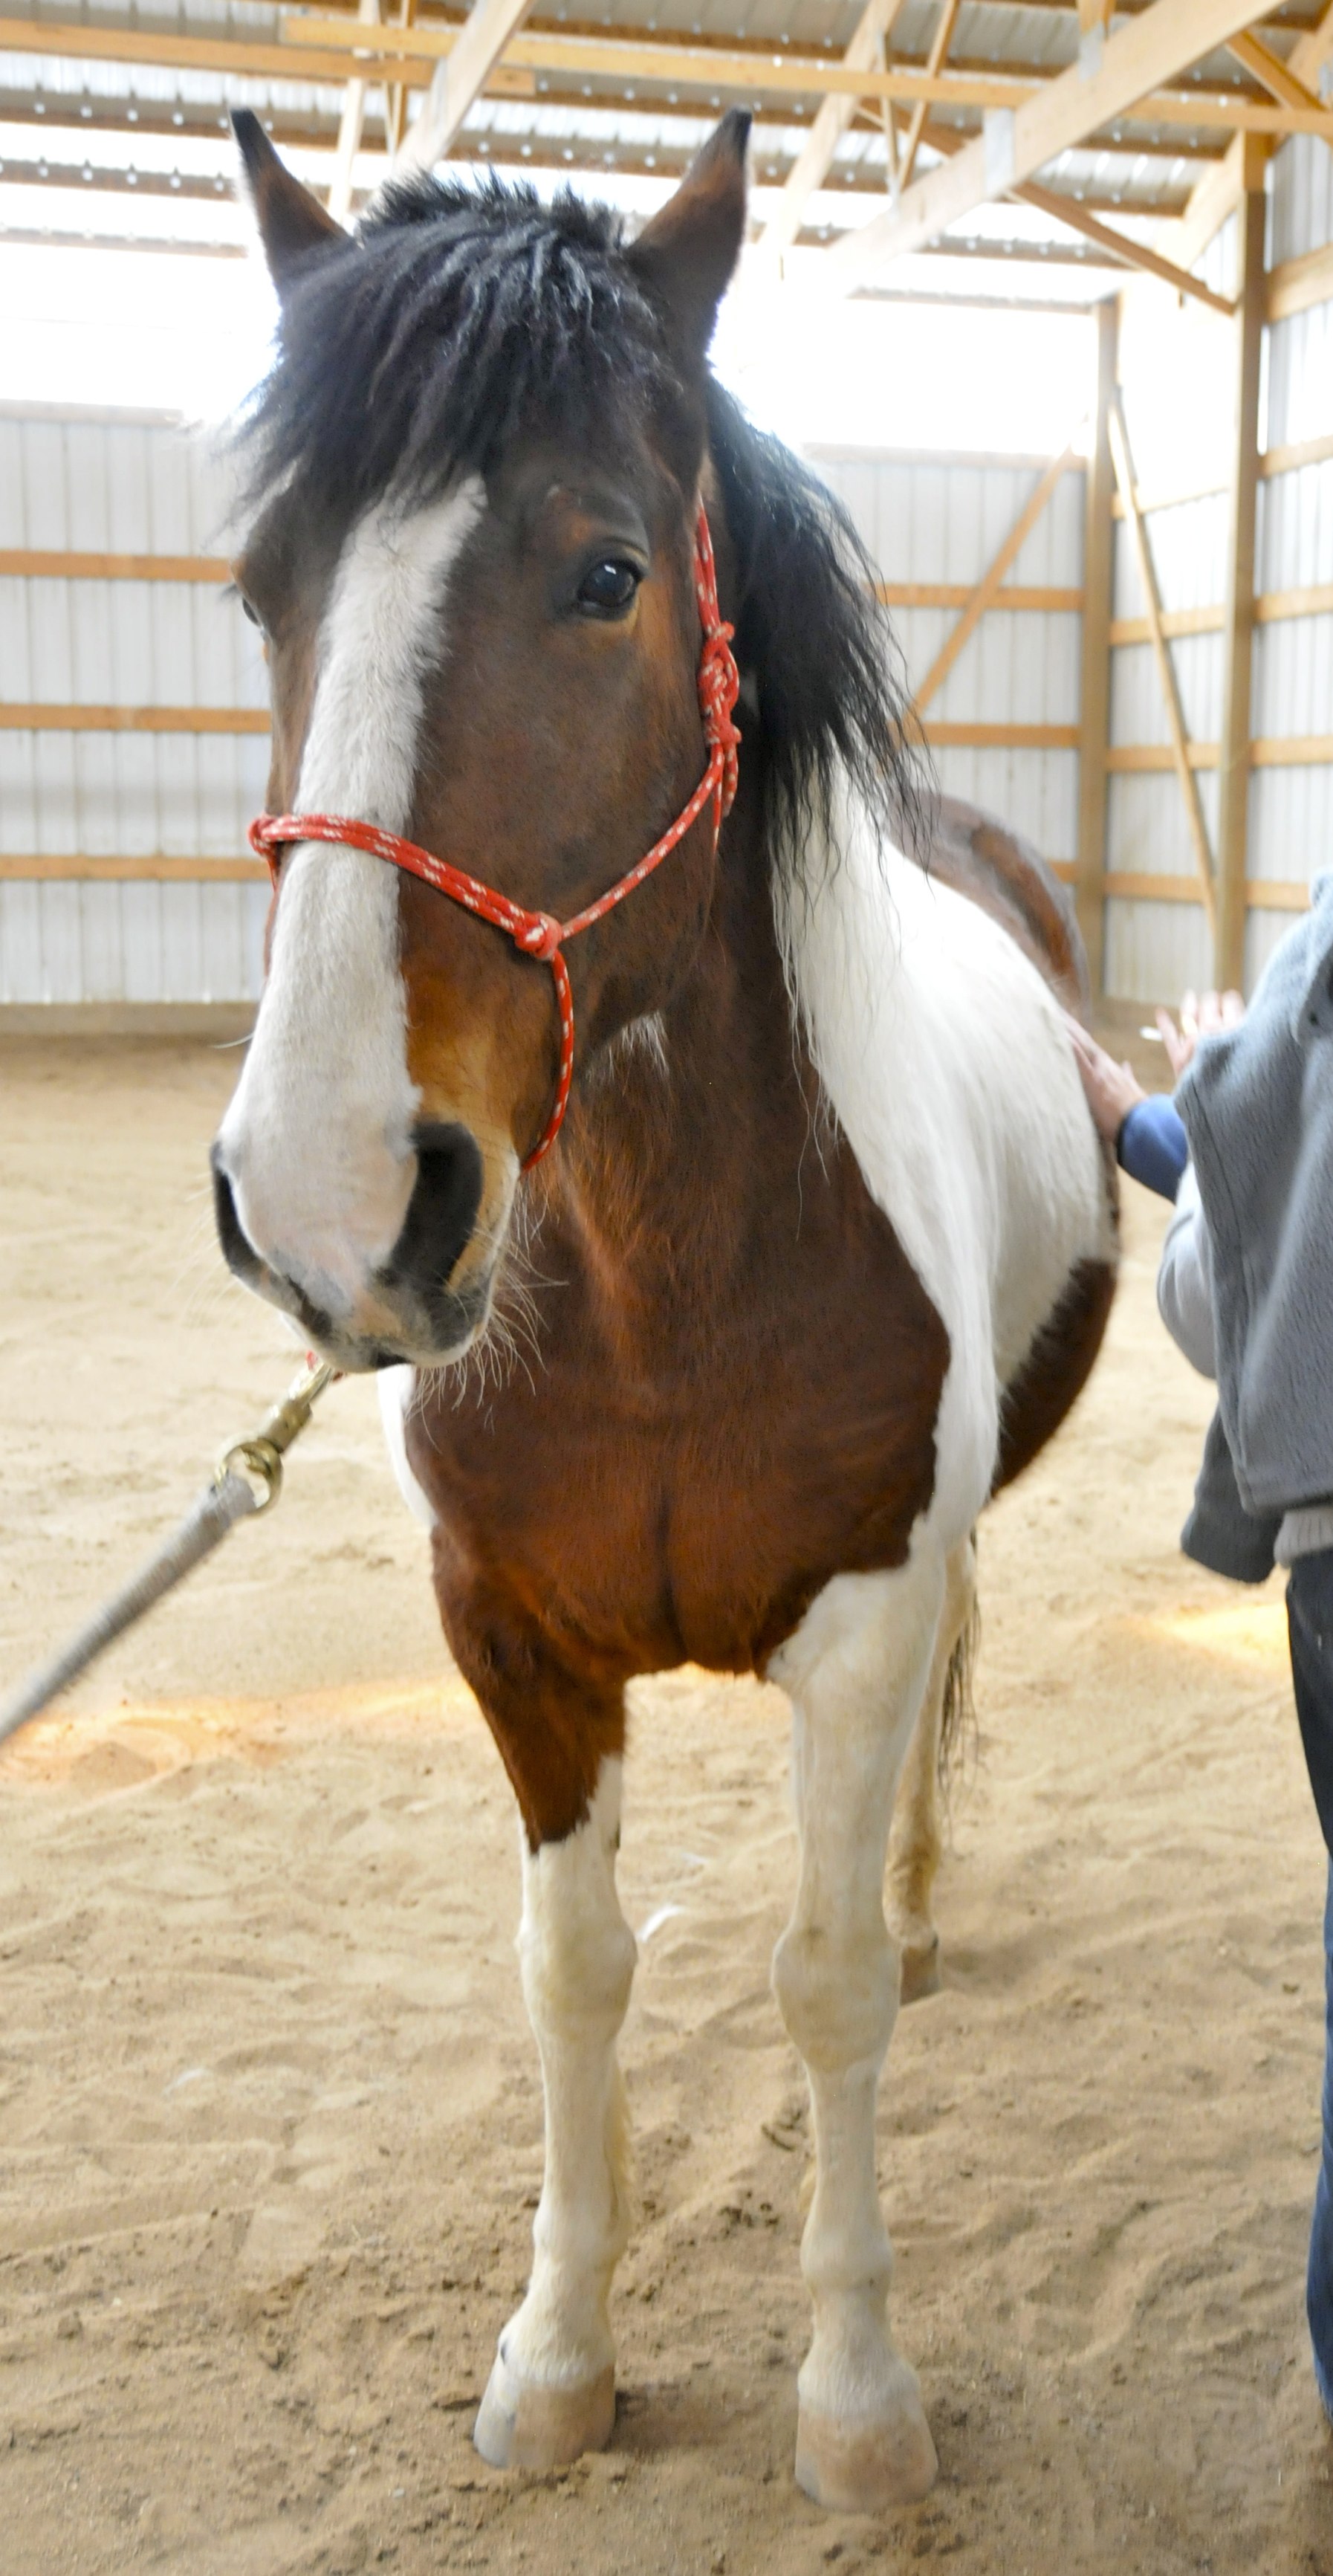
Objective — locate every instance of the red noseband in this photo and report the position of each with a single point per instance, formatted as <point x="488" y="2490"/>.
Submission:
<point x="536" y="933"/>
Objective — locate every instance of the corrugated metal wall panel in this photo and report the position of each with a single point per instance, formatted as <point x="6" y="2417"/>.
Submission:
<point x="1152" y="949"/>
<point x="945" y="522"/>
<point x="124" y="487"/>
<point x="1301" y="212"/>
<point x="1155" y="951"/>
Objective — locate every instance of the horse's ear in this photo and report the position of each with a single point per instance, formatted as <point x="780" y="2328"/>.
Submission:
<point x="291" y="222"/>
<point x="687" y="254"/>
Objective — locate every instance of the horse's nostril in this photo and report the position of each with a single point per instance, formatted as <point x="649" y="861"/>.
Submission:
<point x="238" y="1251"/>
<point x="442" y="1210"/>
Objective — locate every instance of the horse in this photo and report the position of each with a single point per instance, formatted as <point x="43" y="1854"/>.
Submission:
<point x="681" y="1120"/>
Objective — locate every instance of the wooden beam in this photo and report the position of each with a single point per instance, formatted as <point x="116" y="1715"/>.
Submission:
<point x="1292" y="751"/>
<point x="46" y="717"/>
<point x="349" y="129"/>
<point x="1218" y="195"/>
<point x="1045" y="596"/>
<point x="458" y="81"/>
<point x="1238" y="601"/>
<point x="1295" y="284"/>
<point x="983" y="597"/>
<point x="42" y="868"/>
<point x="1129" y="254"/>
<point x="1001" y="737"/>
<point x="1094" y="722"/>
<point x="813" y="163"/>
<point x="1271" y="608"/>
<point x="939" y="49"/>
<point x="994" y="737"/>
<point x="164" y="52"/>
<point x="1151" y="49"/>
<point x="1129" y="885"/>
<point x="1314" y="600"/>
<point x="1296" y="454"/>
<point x="43" y="564"/>
<point x="1274" y="460"/>
<point x="1123" y="463"/>
<point x="1142" y="759"/>
<point x="710" y="68"/>
<point x="1271" y="751"/>
<point x="1263" y="65"/>
<point x="1109" y="238"/>
<point x="688" y="65"/>
<point x="1174" y="622"/>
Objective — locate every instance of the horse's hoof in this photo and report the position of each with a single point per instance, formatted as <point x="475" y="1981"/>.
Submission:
<point x="920" y="1970"/>
<point x="865" y="2466"/>
<point x="523" y="2425"/>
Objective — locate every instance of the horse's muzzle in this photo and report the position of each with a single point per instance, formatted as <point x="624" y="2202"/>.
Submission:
<point x="406" y="1310"/>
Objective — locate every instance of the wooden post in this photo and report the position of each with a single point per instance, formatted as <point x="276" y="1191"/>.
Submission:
<point x="1094" y="724"/>
<point x="1233" y="785"/>
<point x="1183" y="754"/>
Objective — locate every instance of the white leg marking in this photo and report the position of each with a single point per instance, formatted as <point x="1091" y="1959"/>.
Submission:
<point x="317" y="1141"/>
<point x="916" y="1842"/>
<point x="552" y="2390"/>
<point x="396" y="1387"/>
<point x="855" y="1671"/>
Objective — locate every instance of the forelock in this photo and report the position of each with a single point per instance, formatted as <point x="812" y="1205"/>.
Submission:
<point x="454" y="317"/>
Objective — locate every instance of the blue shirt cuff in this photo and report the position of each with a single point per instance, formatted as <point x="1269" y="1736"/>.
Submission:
<point x="1152" y="1145"/>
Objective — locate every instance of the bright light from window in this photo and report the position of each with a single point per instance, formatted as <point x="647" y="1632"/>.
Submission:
<point x="176" y="331"/>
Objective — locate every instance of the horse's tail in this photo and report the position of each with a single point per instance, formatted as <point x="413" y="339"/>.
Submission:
<point x="958" y="1721"/>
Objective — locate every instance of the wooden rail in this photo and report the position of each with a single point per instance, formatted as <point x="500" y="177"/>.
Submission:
<point x="29" y="563"/>
<point x="1271" y="751"/>
<point x="42" y="868"/>
<point x="43" y="717"/>
<point x="1128" y="885"/>
<point x="957" y="594"/>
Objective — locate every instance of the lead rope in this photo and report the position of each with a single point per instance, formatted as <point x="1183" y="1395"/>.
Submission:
<point x="247" y="1480"/>
<point x="538" y="934"/>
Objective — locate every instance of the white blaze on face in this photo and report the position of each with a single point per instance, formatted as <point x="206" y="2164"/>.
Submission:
<point x="317" y="1142"/>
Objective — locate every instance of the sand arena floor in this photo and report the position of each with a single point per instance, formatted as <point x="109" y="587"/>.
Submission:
<point x="269" y="2112"/>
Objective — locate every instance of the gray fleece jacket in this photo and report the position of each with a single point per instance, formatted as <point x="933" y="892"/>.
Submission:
<point x="1257" y="1104"/>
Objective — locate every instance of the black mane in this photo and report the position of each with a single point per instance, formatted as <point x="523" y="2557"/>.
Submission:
<point x="460" y="313"/>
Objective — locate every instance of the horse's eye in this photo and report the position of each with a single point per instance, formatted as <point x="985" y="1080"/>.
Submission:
<point x="607" y="589"/>
<point x="251" y="611"/>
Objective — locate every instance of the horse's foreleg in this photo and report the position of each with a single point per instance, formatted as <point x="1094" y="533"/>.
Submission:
<point x="855" y="1670"/>
<point x="915" y="1841"/>
<point x="552" y="2389"/>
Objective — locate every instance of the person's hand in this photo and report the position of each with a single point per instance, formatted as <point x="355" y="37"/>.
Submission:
<point x="1112" y="1089"/>
<point x="1199" y="1018"/>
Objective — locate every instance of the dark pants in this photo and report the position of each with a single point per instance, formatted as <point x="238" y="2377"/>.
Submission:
<point x="1310" y="1625"/>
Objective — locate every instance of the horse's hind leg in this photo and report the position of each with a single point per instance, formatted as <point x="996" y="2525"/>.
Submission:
<point x="855" y="1670"/>
<point x="915" y="1841"/>
<point x="552" y="2389"/>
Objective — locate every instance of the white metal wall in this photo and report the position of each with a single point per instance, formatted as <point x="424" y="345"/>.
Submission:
<point x="944" y="520"/>
<point x="1178" y="377"/>
<point x="123" y="486"/>
<point x="142" y="486"/>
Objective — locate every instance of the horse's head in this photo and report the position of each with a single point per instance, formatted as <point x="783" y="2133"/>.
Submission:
<point x="472" y="557"/>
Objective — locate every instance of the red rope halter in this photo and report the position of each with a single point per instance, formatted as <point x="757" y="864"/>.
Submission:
<point x="537" y="934"/>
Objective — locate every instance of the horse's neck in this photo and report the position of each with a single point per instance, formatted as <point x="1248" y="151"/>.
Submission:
<point x="695" y="1116"/>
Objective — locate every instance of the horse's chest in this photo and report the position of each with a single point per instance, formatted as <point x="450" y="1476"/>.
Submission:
<point x="681" y="1487"/>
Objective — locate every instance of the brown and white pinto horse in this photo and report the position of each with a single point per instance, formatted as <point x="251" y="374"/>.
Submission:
<point x="825" y="1246"/>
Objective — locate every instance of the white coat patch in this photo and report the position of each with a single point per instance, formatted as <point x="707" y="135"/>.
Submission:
<point x="945" y="1059"/>
<point x="317" y="1142"/>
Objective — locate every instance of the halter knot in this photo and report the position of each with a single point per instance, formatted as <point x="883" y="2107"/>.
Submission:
<point x="541" y="938"/>
<point x="719" y="688"/>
